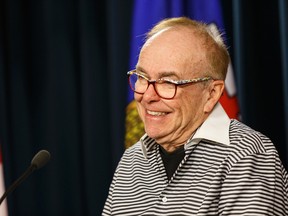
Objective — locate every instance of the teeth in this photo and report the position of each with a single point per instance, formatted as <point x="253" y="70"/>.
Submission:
<point x="155" y="113"/>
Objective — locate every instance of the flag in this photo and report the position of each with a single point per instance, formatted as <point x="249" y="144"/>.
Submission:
<point x="146" y="14"/>
<point x="3" y="206"/>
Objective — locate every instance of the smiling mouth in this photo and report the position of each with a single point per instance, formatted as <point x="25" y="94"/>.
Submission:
<point x="154" y="113"/>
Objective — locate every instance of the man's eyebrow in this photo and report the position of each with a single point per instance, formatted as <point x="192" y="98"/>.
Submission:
<point x="160" y="74"/>
<point x="140" y="70"/>
<point x="168" y="74"/>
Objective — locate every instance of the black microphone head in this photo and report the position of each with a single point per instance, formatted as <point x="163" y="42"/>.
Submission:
<point x="40" y="159"/>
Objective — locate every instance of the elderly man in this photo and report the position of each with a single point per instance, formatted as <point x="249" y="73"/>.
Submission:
<point x="193" y="160"/>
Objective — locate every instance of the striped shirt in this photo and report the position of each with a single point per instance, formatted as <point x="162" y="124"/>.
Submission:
<point x="228" y="169"/>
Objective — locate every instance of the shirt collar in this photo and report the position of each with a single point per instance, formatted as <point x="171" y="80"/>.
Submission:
<point x="214" y="129"/>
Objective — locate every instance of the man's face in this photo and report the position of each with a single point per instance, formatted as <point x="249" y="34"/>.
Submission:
<point x="169" y="55"/>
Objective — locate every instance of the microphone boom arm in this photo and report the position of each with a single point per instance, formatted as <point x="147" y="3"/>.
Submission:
<point x="12" y="187"/>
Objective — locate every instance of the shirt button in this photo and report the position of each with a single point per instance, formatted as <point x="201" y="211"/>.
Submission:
<point x="164" y="199"/>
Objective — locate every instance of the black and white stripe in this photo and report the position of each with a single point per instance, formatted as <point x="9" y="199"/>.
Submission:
<point x="245" y="177"/>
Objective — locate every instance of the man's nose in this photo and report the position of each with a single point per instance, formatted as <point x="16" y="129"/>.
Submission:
<point x="151" y="94"/>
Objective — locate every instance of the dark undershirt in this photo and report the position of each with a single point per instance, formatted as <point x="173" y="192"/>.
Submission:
<point x="172" y="160"/>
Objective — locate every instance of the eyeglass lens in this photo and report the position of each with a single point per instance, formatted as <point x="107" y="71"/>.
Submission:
<point x="139" y="85"/>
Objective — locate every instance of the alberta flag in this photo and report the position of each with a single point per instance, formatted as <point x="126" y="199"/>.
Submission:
<point x="3" y="207"/>
<point x="145" y="15"/>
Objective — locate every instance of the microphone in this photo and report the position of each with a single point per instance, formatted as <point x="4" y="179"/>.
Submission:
<point x="38" y="161"/>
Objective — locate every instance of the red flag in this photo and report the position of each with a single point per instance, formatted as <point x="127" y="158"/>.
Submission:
<point x="3" y="206"/>
<point x="229" y="97"/>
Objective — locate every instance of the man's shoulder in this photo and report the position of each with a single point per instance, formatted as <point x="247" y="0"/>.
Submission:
<point x="244" y="137"/>
<point x="134" y="149"/>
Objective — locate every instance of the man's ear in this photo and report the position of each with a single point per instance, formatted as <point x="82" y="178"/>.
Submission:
<point x="216" y="89"/>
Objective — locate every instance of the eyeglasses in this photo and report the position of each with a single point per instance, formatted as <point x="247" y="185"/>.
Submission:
<point x="165" y="88"/>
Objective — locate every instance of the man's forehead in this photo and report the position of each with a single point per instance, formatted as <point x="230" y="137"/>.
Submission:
<point x="178" y="31"/>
